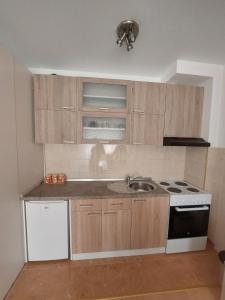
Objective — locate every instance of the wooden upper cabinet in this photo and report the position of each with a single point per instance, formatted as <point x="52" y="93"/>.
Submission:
<point x="55" y="127"/>
<point x="105" y="95"/>
<point x="149" y="97"/>
<point x="116" y="226"/>
<point x="86" y="227"/>
<point x="147" y="129"/>
<point x="183" y="115"/>
<point x="55" y="92"/>
<point x="149" y="222"/>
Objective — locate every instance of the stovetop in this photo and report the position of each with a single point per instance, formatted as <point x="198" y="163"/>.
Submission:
<point x="180" y="187"/>
<point x="182" y="193"/>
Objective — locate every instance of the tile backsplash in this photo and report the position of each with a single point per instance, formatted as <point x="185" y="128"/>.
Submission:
<point x="115" y="161"/>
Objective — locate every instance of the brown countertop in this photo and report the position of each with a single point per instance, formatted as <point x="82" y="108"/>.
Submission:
<point x="84" y="189"/>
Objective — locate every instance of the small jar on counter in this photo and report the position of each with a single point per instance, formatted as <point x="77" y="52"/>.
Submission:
<point x="54" y="178"/>
<point x="61" y="178"/>
<point x="48" y="179"/>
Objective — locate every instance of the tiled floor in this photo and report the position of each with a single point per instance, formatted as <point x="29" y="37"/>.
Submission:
<point x="186" y="276"/>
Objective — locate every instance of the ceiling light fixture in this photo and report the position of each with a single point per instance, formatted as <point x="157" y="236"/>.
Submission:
<point x="127" y="31"/>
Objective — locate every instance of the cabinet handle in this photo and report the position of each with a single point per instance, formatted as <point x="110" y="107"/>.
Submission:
<point x="86" y="205"/>
<point x="137" y="143"/>
<point x="110" y="213"/>
<point x="94" y="213"/>
<point x="117" y="204"/>
<point x="104" y="142"/>
<point x="139" y="111"/>
<point x="68" y="142"/>
<point x="139" y="200"/>
<point x="68" y="107"/>
<point x="104" y="108"/>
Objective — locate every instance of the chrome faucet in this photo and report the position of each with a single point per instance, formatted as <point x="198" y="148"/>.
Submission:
<point x="129" y="180"/>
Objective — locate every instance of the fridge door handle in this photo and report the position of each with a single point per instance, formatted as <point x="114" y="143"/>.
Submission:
<point x="178" y="209"/>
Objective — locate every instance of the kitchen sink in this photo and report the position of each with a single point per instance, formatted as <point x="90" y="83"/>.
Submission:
<point x="140" y="186"/>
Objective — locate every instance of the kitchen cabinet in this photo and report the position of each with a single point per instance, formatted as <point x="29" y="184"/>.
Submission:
<point x="147" y="129"/>
<point x="86" y="231"/>
<point x="149" y="98"/>
<point x="149" y="222"/>
<point x="103" y="128"/>
<point x="148" y="113"/>
<point x="55" y="92"/>
<point x="104" y="95"/>
<point x="183" y="114"/>
<point x="55" y="126"/>
<point x="116" y="226"/>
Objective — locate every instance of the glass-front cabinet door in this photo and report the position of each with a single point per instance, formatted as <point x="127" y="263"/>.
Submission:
<point x="99" y="128"/>
<point x="104" y="95"/>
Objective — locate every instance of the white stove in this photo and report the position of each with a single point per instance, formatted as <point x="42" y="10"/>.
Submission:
<point x="189" y="216"/>
<point x="183" y="193"/>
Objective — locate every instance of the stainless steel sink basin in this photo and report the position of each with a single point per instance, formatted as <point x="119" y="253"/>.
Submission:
<point x="140" y="186"/>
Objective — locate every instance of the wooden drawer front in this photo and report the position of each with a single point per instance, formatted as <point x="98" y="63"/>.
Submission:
<point x="116" y="204"/>
<point x="86" y="205"/>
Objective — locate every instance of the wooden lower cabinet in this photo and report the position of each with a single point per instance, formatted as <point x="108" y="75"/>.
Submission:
<point x="149" y="222"/>
<point x="86" y="231"/>
<point x="143" y="225"/>
<point x="116" y="226"/>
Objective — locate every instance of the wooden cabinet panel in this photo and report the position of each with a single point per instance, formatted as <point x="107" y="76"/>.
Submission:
<point x="147" y="129"/>
<point x="86" y="231"/>
<point x="149" y="222"/>
<point x="116" y="204"/>
<point x="116" y="225"/>
<point x="183" y="111"/>
<point x="55" y="92"/>
<point x="149" y="98"/>
<point x="86" y="205"/>
<point x="56" y="127"/>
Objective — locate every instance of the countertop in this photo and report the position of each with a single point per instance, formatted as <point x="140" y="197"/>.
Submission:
<point x="75" y="190"/>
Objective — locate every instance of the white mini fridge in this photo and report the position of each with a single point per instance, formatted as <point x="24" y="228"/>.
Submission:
<point x="47" y="230"/>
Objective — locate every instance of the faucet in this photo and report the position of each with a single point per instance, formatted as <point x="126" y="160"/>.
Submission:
<point x="129" y="180"/>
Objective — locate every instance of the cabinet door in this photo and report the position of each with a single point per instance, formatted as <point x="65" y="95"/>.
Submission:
<point x="103" y="128"/>
<point x="149" y="222"/>
<point x="86" y="231"/>
<point x="116" y="226"/>
<point x="149" y="98"/>
<point x="55" y="127"/>
<point x="147" y="129"/>
<point x="55" y="92"/>
<point x="183" y="111"/>
<point x="104" y="95"/>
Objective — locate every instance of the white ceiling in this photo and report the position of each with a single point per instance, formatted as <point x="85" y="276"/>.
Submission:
<point x="80" y="34"/>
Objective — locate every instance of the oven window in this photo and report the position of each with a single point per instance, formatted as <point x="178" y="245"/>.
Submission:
<point x="185" y="223"/>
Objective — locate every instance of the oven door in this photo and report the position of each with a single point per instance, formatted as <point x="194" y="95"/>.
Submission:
<point x="188" y="221"/>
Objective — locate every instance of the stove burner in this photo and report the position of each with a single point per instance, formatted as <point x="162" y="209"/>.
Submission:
<point x="181" y="183"/>
<point x="164" y="183"/>
<point x="174" y="190"/>
<point x="194" y="190"/>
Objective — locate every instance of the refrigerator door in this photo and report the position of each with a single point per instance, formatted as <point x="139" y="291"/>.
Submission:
<point x="47" y="230"/>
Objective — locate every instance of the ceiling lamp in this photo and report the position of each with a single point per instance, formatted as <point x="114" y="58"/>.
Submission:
<point x="127" y="31"/>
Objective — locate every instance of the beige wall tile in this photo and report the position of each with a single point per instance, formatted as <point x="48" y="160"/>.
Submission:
<point x="195" y="165"/>
<point x="115" y="161"/>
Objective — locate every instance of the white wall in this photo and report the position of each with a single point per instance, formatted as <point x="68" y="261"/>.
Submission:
<point x="15" y="165"/>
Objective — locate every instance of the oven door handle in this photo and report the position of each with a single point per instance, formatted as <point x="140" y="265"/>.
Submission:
<point x="178" y="209"/>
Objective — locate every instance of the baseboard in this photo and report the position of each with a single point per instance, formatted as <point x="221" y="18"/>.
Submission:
<point x="119" y="253"/>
